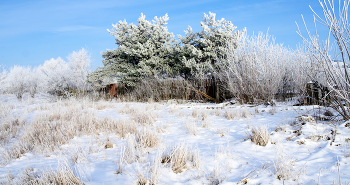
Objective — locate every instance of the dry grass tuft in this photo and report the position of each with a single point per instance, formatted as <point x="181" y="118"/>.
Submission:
<point x="273" y="110"/>
<point x="143" y="117"/>
<point x="215" y="177"/>
<point x="245" y="113"/>
<point x="222" y="131"/>
<point x="285" y="168"/>
<point x="101" y="105"/>
<point x="195" y="113"/>
<point x="216" y="112"/>
<point x="191" y="128"/>
<point x="260" y="135"/>
<point x="181" y="157"/>
<point x="231" y="114"/>
<point x="147" y="137"/>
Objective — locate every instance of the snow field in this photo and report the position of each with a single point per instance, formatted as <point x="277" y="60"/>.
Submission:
<point x="113" y="142"/>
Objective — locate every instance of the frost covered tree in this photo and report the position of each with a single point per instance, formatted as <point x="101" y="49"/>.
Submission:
<point x="200" y="50"/>
<point x="144" y="50"/>
<point x="16" y="81"/>
<point x="79" y="63"/>
<point x="260" y="68"/>
<point x="57" y="76"/>
<point x="35" y="81"/>
<point x="3" y="75"/>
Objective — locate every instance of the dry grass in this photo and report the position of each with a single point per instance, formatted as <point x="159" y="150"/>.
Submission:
<point x="273" y="110"/>
<point x="285" y="167"/>
<point x="181" y="157"/>
<point x="260" y="135"/>
<point x="195" y="113"/>
<point x="144" y="118"/>
<point x="6" y="109"/>
<point x="152" y="173"/>
<point x="10" y="128"/>
<point x="101" y="105"/>
<point x="56" y="127"/>
<point x="64" y="175"/>
<point x="232" y="114"/>
<point x="206" y="124"/>
<point x="191" y="128"/>
<point x="215" y="177"/>
<point x="245" y="113"/>
<point x="130" y="150"/>
<point x="216" y="112"/>
<point x="200" y="114"/>
<point x="222" y="131"/>
<point x="147" y="137"/>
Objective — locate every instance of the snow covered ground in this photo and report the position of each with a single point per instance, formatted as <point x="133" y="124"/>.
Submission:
<point x="174" y="142"/>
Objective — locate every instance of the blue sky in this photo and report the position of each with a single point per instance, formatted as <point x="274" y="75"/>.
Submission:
<point x="32" y="31"/>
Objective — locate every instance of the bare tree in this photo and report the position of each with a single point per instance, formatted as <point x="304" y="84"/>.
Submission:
<point x="334" y="68"/>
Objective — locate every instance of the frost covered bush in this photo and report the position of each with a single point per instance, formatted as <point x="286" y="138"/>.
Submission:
<point x="258" y="68"/>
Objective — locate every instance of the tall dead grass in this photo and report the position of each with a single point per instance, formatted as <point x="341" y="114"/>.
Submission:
<point x="181" y="157"/>
<point x="51" y="129"/>
<point x="10" y="128"/>
<point x="260" y="135"/>
<point x="64" y="175"/>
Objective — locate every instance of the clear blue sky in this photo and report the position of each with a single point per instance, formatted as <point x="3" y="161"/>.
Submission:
<point x="32" y="31"/>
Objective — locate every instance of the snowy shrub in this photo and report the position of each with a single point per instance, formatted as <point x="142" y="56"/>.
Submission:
<point x="259" y="69"/>
<point x="260" y="135"/>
